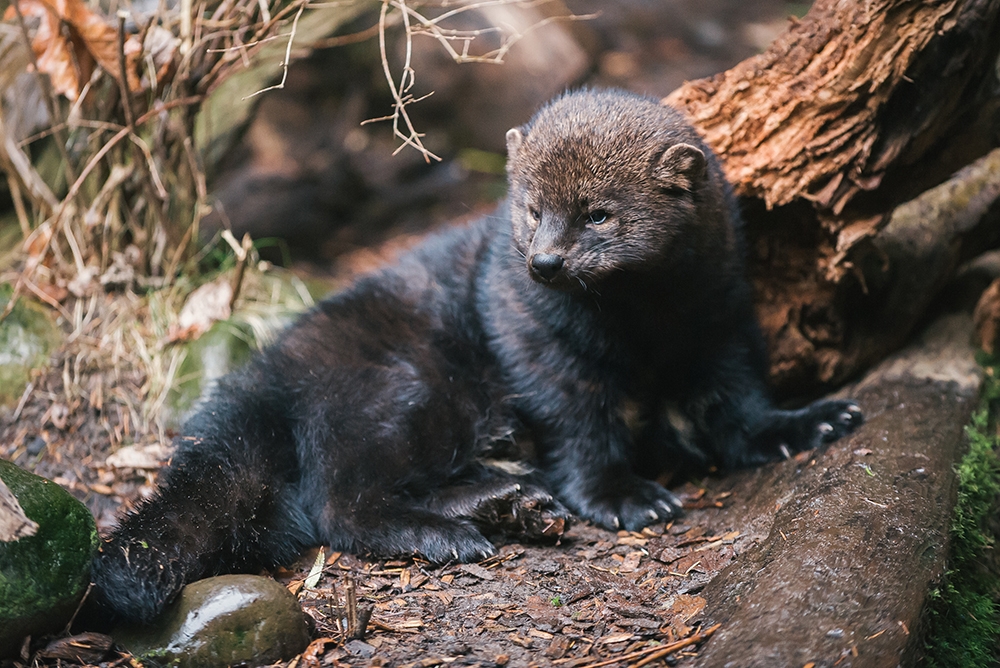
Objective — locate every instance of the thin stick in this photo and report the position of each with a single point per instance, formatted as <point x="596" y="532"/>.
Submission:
<point x="399" y="104"/>
<point x="48" y="300"/>
<point x="51" y="103"/>
<point x="22" y="213"/>
<point x="654" y="653"/>
<point x="288" y="56"/>
<point x="123" y="72"/>
<point x="680" y="644"/>
<point x="121" y="134"/>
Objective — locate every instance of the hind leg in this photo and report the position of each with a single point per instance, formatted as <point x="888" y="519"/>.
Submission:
<point x="500" y="501"/>
<point x="397" y="526"/>
<point x="447" y="524"/>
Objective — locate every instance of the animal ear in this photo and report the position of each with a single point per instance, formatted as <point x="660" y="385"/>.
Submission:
<point x="681" y="166"/>
<point x="514" y="139"/>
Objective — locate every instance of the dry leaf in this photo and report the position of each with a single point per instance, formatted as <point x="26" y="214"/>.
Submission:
<point x="69" y="56"/>
<point x="147" y="457"/>
<point x="14" y="523"/>
<point x="64" y="59"/>
<point x="203" y="307"/>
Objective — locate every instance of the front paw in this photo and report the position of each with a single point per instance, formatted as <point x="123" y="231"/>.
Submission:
<point x="825" y="421"/>
<point x="788" y="432"/>
<point x="629" y="503"/>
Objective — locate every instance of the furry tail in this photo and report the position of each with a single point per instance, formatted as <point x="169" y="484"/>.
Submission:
<point x="227" y="503"/>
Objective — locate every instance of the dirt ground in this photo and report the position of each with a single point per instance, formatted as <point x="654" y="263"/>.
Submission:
<point x="592" y="597"/>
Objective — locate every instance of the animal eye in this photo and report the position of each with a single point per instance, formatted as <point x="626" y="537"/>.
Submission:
<point x="597" y="217"/>
<point x="535" y="213"/>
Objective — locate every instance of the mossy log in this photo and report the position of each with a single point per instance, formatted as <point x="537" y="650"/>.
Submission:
<point x="830" y="138"/>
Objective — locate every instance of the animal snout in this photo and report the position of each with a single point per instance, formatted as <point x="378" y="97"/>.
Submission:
<point x="546" y="265"/>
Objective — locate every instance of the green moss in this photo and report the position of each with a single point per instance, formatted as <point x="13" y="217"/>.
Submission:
<point x="43" y="577"/>
<point x="26" y="337"/>
<point x="964" y="616"/>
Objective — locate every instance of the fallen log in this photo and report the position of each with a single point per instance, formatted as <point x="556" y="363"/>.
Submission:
<point x="830" y="138"/>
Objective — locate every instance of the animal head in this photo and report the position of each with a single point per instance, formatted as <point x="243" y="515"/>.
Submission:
<point x="603" y="182"/>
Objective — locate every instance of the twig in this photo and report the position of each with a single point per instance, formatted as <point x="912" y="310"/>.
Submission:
<point x="51" y="103"/>
<point x="24" y="400"/>
<point x="343" y="40"/>
<point x="288" y="55"/>
<point x="154" y="174"/>
<point x="242" y="254"/>
<point x="680" y="644"/>
<point x="123" y="72"/>
<point x="22" y="213"/>
<point x="400" y="102"/>
<point x="121" y="134"/>
<point x="154" y="198"/>
<point x="15" y="162"/>
<point x="653" y="653"/>
<point x="74" y="246"/>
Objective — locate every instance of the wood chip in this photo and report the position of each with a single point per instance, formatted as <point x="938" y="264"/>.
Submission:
<point x="477" y="571"/>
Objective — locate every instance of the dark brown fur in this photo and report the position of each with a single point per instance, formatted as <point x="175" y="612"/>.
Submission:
<point x="601" y="315"/>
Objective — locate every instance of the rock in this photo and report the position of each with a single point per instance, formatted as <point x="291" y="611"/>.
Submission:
<point x="221" y="621"/>
<point x="44" y="576"/>
<point x="26" y="337"/>
<point x="851" y="539"/>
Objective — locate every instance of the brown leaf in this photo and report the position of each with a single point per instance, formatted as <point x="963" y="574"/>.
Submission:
<point x="311" y="657"/>
<point x="477" y="571"/>
<point x="669" y="555"/>
<point x="203" y="307"/>
<point x="65" y="60"/>
<point x="69" y="56"/>
<point x="683" y="609"/>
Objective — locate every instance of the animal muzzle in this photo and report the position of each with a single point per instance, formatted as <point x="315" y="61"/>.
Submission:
<point x="545" y="266"/>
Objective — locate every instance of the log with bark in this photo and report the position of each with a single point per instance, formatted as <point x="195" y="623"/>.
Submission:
<point x="842" y="139"/>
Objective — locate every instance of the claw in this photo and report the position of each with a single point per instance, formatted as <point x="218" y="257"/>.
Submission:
<point x="846" y="418"/>
<point x="668" y="508"/>
<point x="651" y="514"/>
<point x="784" y="451"/>
<point x="854" y="408"/>
<point x="616" y="522"/>
<point x="825" y="427"/>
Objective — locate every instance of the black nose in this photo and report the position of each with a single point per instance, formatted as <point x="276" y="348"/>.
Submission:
<point x="546" y="265"/>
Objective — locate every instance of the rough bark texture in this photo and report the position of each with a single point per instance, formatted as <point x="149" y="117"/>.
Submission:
<point x="858" y="534"/>
<point x="856" y="109"/>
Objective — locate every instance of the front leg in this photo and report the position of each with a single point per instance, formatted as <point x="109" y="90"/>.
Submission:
<point x="587" y="457"/>
<point x="736" y="423"/>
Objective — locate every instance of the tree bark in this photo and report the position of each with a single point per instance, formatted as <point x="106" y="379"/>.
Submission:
<point x="830" y="137"/>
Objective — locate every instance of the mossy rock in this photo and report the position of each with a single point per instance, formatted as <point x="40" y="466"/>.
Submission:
<point x="222" y="621"/>
<point x="44" y="576"/>
<point x="27" y="336"/>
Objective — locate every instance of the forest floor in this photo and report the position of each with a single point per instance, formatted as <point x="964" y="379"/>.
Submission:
<point x="822" y="560"/>
<point x="827" y="558"/>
